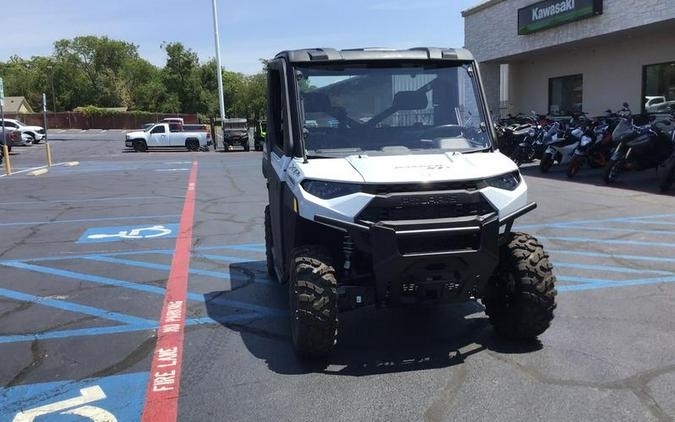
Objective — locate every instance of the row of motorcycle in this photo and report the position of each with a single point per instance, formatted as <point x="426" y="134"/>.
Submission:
<point x="617" y="141"/>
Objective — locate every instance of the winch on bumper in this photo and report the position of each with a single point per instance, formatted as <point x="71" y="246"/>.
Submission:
<point x="426" y="247"/>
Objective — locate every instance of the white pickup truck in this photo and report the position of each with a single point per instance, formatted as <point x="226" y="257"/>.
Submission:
<point x="167" y="135"/>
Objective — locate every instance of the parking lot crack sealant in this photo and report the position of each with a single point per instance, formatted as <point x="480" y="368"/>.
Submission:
<point x="161" y="397"/>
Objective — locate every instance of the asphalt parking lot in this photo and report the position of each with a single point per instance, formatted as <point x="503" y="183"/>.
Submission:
<point x="95" y="260"/>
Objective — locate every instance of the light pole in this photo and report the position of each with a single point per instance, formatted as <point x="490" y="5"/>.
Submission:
<point x="220" y="67"/>
<point x="51" y="75"/>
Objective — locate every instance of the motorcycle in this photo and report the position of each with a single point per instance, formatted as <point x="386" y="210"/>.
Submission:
<point x="560" y="146"/>
<point x="596" y="145"/>
<point x="641" y="145"/>
<point x="532" y="145"/>
<point x="669" y="175"/>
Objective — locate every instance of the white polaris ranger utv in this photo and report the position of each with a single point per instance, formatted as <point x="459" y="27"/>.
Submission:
<point x="386" y="188"/>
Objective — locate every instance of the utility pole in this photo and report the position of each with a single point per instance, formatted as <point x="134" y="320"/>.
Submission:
<point x="220" y="68"/>
<point x="51" y="69"/>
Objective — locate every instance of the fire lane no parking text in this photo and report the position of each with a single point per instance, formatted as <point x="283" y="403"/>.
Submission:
<point x="161" y="402"/>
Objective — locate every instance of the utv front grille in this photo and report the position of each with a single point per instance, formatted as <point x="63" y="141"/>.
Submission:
<point x="432" y="205"/>
<point x="469" y="185"/>
<point x="439" y="243"/>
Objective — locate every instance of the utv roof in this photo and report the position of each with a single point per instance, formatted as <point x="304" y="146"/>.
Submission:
<point x="374" y="54"/>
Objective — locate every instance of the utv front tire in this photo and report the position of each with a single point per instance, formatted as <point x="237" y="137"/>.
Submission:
<point x="521" y="294"/>
<point x="313" y="302"/>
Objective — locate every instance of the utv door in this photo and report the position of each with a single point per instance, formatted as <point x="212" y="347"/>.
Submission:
<point x="277" y="157"/>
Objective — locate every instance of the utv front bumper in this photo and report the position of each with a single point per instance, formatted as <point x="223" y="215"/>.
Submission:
<point x="433" y="260"/>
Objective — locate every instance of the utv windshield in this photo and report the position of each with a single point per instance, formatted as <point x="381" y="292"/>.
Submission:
<point x="377" y="110"/>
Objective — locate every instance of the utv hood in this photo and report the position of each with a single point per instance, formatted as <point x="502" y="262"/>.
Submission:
<point x="409" y="168"/>
<point x="430" y="167"/>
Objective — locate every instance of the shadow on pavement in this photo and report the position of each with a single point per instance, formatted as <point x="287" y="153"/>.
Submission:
<point x="646" y="181"/>
<point x="370" y="341"/>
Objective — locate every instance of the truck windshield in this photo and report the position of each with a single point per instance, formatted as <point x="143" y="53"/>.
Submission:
<point x="384" y="110"/>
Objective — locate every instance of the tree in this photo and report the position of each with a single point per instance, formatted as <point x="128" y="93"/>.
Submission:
<point x="103" y="72"/>
<point x="101" y="61"/>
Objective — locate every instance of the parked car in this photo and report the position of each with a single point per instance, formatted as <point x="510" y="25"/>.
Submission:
<point x="11" y="138"/>
<point x="658" y="104"/>
<point x="235" y="133"/>
<point x="33" y="134"/>
<point x="165" y="135"/>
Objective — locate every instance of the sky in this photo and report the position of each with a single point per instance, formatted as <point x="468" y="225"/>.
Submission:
<point x="249" y="29"/>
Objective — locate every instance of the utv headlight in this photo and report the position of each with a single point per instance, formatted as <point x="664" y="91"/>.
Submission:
<point x="329" y="190"/>
<point x="508" y="181"/>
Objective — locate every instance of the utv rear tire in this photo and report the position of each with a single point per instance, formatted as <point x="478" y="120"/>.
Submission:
<point x="269" y="244"/>
<point x="313" y="302"/>
<point x="521" y="294"/>
<point x="546" y="163"/>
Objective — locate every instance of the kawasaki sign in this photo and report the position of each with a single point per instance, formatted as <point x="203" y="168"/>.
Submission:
<point x="549" y="13"/>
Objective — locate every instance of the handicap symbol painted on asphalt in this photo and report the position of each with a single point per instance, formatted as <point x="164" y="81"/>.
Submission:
<point x="117" y="234"/>
<point x="109" y="399"/>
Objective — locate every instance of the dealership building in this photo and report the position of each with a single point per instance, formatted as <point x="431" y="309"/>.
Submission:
<point x="554" y="56"/>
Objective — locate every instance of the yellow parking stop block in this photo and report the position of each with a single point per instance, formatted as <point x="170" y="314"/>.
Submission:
<point x="38" y="172"/>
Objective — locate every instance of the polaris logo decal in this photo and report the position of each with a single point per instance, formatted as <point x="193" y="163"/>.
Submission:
<point x="555" y="9"/>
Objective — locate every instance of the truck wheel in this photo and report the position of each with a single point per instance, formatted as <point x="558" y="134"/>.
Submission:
<point x="521" y="294"/>
<point x="669" y="176"/>
<point x="313" y="302"/>
<point x="192" y="145"/>
<point x="546" y="163"/>
<point x="140" y="146"/>
<point x="269" y="244"/>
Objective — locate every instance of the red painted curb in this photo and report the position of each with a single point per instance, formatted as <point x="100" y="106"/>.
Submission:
<point x="161" y="397"/>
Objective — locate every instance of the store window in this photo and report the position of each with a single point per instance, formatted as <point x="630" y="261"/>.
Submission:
<point x="565" y="94"/>
<point x="659" y="88"/>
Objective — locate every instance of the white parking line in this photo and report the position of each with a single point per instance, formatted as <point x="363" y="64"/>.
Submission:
<point x="33" y="169"/>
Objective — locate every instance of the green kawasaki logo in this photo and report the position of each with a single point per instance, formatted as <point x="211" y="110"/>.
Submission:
<point x="556" y="9"/>
<point x="549" y="13"/>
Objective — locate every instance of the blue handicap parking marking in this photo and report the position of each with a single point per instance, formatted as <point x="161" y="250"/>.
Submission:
<point x="626" y="239"/>
<point x="109" y="399"/>
<point x="130" y="323"/>
<point x="137" y="232"/>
